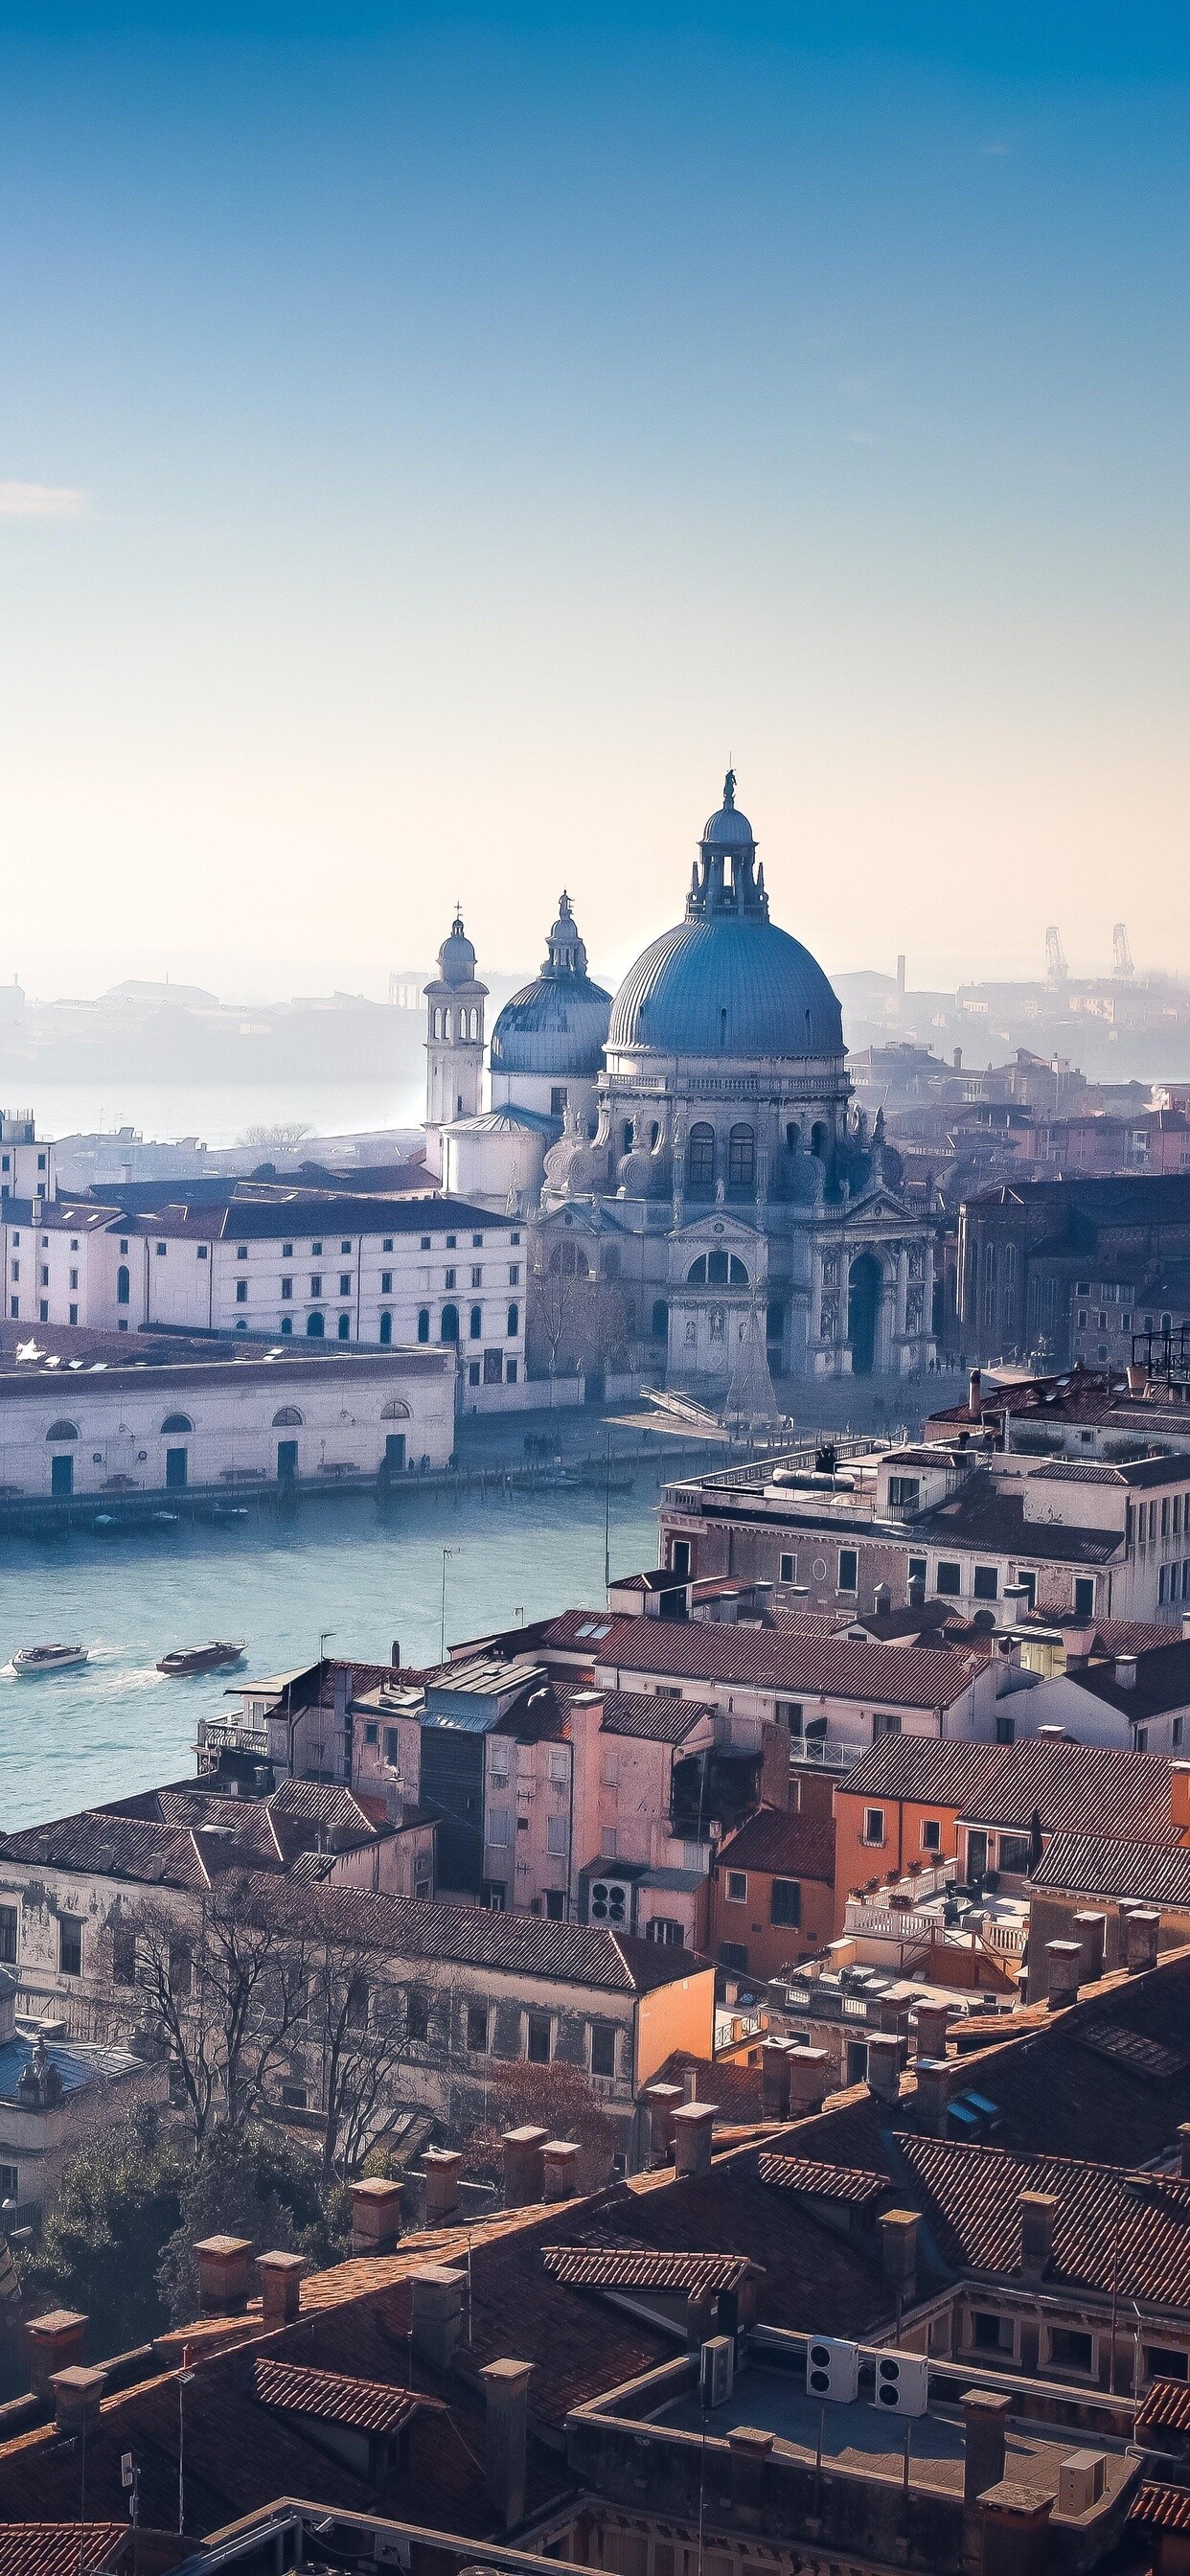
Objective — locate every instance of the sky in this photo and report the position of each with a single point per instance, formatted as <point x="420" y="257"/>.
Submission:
<point x="435" y="440"/>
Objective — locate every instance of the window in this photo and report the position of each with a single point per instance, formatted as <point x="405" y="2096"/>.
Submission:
<point x="513" y="1325"/>
<point x="1028" y="1583"/>
<point x="8" y="1936"/>
<point x="785" y="1905"/>
<point x="1013" y="1853"/>
<point x="70" y="1947"/>
<point x="848" y="1569"/>
<point x="475" y="1324"/>
<point x="1161" y="2362"/>
<point x="386" y="1283"/>
<point x="700" y="1160"/>
<point x="792" y="1712"/>
<point x="8" y="2182"/>
<point x="287" y="1252"/>
<point x="500" y="1827"/>
<point x="425" y="1243"/>
<point x="741" y="1159"/>
<point x="540" y="2034"/>
<point x="449" y="1331"/>
<point x="990" y="2333"/>
<point x="477" y="1242"/>
<point x="1070" y="2350"/>
<point x="123" y="1958"/>
<point x="510" y="1372"/>
<point x="181" y="1967"/>
<point x="452" y="1243"/>
<point x="607" y="1843"/>
<point x="557" y="1836"/>
<point x="345" y="1283"/>
<point x="477" y="2029"/>
<point x="737" y="1887"/>
<point x="948" y="1578"/>
<point x="873" y="1824"/>
<point x="787" y="1569"/>
<point x="202" y="1250"/>
<point x="986" y="1583"/>
<point x="904" y="1492"/>
<point x="931" y="1834"/>
<point x="417" y="2015"/>
<point x="558" y="1100"/>
<point x="287" y="1287"/>
<point x="316" y="1284"/>
<point x="241" y="1251"/>
<point x="450" y="1279"/>
<point x="315" y="1250"/>
<point x="1006" y="1730"/>
<point x="916" y="1570"/>
<point x="1084" y="1596"/>
<point x="603" y="2050"/>
<point x="123" y="1286"/>
<point x="472" y="1372"/>
<point x="885" y="1722"/>
<point x="241" y="1292"/>
<point x="74" y="1279"/>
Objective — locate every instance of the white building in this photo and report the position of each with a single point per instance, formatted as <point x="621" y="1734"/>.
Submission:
<point x="115" y="1424"/>
<point x="26" y="1160"/>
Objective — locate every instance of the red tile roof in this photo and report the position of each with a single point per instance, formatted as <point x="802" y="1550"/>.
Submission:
<point x="1166" y="2408"/>
<point x="59" y="2548"/>
<point x="846" y="2183"/>
<point x="768" y="1658"/>
<point x="779" y="1840"/>
<point x="1165" y="2508"/>
<point x="641" y="2267"/>
<point x="331" y="2397"/>
<point x="1089" y="1788"/>
<point x="1154" y="1873"/>
<point x="1111" y="2227"/>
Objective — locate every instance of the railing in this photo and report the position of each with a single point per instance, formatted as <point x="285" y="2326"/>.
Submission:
<point x="224" y="1736"/>
<point x="832" y="1757"/>
<point x="760" y="1471"/>
<point x="1009" y="1937"/>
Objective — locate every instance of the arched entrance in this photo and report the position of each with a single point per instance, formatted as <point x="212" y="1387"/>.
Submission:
<point x="863" y="1310"/>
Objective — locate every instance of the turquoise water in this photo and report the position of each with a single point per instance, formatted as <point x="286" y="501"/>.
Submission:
<point x="74" y="1739"/>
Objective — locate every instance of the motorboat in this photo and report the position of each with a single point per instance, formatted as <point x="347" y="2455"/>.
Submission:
<point x="214" y="1657"/>
<point x="30" y="1661"/>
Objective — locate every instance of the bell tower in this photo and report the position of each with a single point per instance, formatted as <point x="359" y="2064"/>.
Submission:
<point x="454" y="1039"/>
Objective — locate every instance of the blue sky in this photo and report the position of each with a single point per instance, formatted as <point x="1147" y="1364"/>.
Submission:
<point x="431" y="440"/>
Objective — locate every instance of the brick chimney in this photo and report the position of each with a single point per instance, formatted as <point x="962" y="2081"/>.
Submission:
<point x="884" y="2065"/>
<point x="437" y="2294"/>
<point x="440" y="2166"/>
<point x="55" y="2343"/>
<point x="933" y="2022"/>
<point x="223" y="2275"/>
<point x="559" y="2158"/>
<point x="1091" y="1930"/>
<point x="749" y="2450"/>
<point x="506" y="2384"/>
<point x="774" y="2080"/>
<point x="1063" y="1967"/>
<point x="1016" y="2537"/>
<point x="280" y="2287"/>
<point x="1038" y="2210"/>
<point x="663" y="2100"/>
<point x="809" y="2080"/>
<point x="937" y="2079"/>
<point x="523" y="2166"/>
<point x="693" y="2123"/>
<point x="1141" y="1928"/>
<point x="77" y="2394"/>
<point x="375" y="2216"/>
<point x="985" y="2430"/>
<point x="898" y="2238"/>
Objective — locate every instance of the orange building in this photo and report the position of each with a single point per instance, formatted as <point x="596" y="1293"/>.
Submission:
<point x="772" y="1891"/>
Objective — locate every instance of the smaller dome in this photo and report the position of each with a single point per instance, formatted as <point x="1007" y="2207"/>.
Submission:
<point x="456" y="957"/>
<point x="728" y="829"/>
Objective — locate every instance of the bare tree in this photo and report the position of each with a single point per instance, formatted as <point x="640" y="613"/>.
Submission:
<point x="366" y="2039"/>
<point x="226" y="1995"/>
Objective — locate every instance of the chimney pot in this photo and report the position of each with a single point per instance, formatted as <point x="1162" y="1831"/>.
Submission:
<point x="506" y="2386"/>
<point x="662" y="2100"/>
<point x="1064" y="1960"/>
<point x="898" y="2237"/>
<point x="440" y="2167"/>
<point x="690" y="2084"/>
<point x="1141" y="1928"/>
<point x="973" y="1406"/>
<point x="280" y="2287"/>
<point x="1126" y="1668"/>
<point x="1038" y="2211"/>
<point x="223" y="2275"/>
<point x="809" y="2080"/>
<point x="375" y="2216"/>
<point x="884" y="2065"/>
<point x="56" y="2343"/>
<point x="693" y="2123"/>
<point x="523" y="2166"/>
<point x="1092" y="1934"/>
<point x="77" y="2394"/>
<point x="933" y="2022"/>
<point x="560" y="2169"/>
<point x="437" y="2294"/>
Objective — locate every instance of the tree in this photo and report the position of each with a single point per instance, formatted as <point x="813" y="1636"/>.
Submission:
<point x="557" y="2098"/>
<point x="364" y="2041"/>
<point x="255" y="2184"/>
<point x="121" y="2197"/>
<point x="225" y="1999"/>
<point x="280" y="1131"/>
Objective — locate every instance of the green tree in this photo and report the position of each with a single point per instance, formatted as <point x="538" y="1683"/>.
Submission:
<point x="121" y="2199"/>
<point x="249" y="2183"/>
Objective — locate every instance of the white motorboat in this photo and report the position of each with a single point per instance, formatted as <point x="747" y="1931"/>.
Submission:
<point x="29" y="1662"/>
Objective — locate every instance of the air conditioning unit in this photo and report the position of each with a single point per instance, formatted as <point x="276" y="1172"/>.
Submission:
<point x="717" y="2373"/>
<point x="832" y="2369"/>
<point x="1081" y="2479"/>
<point x="902" y="2383"/>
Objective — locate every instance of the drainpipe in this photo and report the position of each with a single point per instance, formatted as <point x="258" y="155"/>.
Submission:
<point x="569" y="1844"/>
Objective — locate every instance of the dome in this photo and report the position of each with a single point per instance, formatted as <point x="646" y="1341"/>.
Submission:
<point x="557" y="1025"/>
<point x="456" y="957"/>
<point x="726" y="985"/>
<point x="728" y="830"/>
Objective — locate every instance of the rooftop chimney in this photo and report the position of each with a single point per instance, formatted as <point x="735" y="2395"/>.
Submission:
<point x="507" y="2387"/>
<point x="1126" y="1672"/>
<point x="440" y="2167"/>
<point x="1014" y="1600"/>
<point x="882" y="1600"/>
<point x="223" y="2275"/>
<point x="1064" y="1962"/>
<point x="884" y="2065"/>
<point x="973" y="1406"/>
<point x="985" y="2426"/>
<point x="523" y="2168"/>
<point x="1038" y="2210"/>
<point x="662" y="2100"/>
<point x="1092" y="1936"/>
<point x="898" y="2237"/>
<point x="437" y="2293"/>
<point x="693" y="2123"/>
<point x="77" y="2393"/>
<point x="1137" y="1376"/>
<point x="1141" y="1928"/>
<point x="809" y="2080"/>
<point x="55" y="2343"/>
<point x="690" y="2084"/>
<point x="933" y="2022"/>
<point x="1015" y="2519"/>
<point x="916" y="1593"/>
<point x="559" y="2159"/>
<point x="774" y="2080"/>
<point x="1184" y="2142"/>
<point x="936" y="2079"/>
<point x="375" y="2216"/>
<point x="280" y="2287"/>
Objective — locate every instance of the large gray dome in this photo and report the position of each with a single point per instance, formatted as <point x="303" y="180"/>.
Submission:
<point x="726" y="985"/>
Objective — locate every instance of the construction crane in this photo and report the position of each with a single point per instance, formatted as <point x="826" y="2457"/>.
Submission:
<point x="1122" y="954"/>
<point x="1056" y="968"/>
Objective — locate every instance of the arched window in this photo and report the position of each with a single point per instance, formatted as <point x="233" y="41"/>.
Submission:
<point x="627" y="1135"/>
<point x="513" y="1325"/>
<point x="288" y="1419"/>
<point x="717" y="1270"/>
<point x="818" y="1140"/>
<point x="435" y="1023"/>
<point x="476" y="1323"/>
<point x="741" y="1159"/>
<point x="660" y="1318"/>
<point x="344" y="1328"/>
<point x="315" y="1327"/>
<point x="386" y="1329"/>
<point x="569" y="1261"/>
<point x="286" y="1325"/>
<point x="423" y="1323"/>
<point x="611" y="1261"/>
<point x="394" y="1410"/>
<point x="793" y="1136"/>
<point x="176" y="1422"/>
<point x="62" y="1431"/>
<point x="123" y="1286"/>
<point x="450" y="1324"/>
<point x="700" y="1160"/>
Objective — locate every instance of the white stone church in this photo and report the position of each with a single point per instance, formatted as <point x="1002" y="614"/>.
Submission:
<point x="690" y="1142"/>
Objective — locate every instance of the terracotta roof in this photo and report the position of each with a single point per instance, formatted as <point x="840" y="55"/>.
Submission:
<point x="650" y="1718"/>
<point x="768" y="1658"/>
<point x="778" y="1839"/>
<point x="444" y="1927"/>
<point x="1165" y="2408"/>
<point x="730" y="2084"/>
<point x="331" y="2397"/>
<point x="1110" y="2226"/>
<point x="59" y="2549"/>
<point x="1107" y="1865"/>
<point x="822" y="2182"/>
<point x="640" y="2267"/>
<point x="1162" y="1679"/>
<point x="1094" y="1788"/>
<point x="1166" y="2508"/>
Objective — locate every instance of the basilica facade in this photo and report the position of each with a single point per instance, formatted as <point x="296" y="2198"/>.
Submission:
<point x="686" y="1154"/>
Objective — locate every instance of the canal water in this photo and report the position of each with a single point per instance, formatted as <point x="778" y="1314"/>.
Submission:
<point x="74" y="1739"/>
